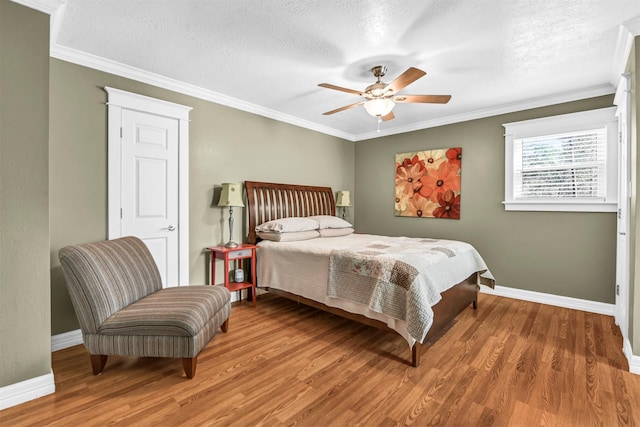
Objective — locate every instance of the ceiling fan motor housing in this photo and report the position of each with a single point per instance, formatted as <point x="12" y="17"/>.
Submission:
<point x="376" y="90"/>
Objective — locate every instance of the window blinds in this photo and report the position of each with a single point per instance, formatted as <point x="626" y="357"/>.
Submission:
<point x="571" y="165"/>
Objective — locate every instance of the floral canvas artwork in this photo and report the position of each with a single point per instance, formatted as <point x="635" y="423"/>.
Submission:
<point x="428" y="183"/>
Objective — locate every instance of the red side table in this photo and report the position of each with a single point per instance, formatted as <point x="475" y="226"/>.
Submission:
<point x="243" y="251"/>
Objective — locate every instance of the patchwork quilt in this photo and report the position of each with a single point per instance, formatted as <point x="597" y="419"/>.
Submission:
<point x="403" y="277"/>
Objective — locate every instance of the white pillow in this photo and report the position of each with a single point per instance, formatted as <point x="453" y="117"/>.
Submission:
<point x="335" y="232"/>
<point x="288" y="237"/>
<point x="330" y="221"/>
<point x="289" y="225"/>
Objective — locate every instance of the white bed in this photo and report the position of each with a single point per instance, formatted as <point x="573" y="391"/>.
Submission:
<point x="299" y="270"/>
<point x="302" y="268"/>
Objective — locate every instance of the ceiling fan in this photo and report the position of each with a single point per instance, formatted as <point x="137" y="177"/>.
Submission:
<point x="382" y="97"/>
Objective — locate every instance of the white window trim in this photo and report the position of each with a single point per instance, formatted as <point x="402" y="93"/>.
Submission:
<point x="574" y="122"/>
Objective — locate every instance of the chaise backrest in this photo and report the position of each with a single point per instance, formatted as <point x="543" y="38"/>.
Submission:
<point x="104" y="277"/>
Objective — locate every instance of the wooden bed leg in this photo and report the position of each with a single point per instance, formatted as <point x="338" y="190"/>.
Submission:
<point x="189" y="365"/>
<point x="98" y="361"/>
<point x="475" y="301"/>
<point x="415" y="354"/>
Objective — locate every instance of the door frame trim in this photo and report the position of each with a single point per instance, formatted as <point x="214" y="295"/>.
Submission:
<point x="623" y="279"/>
<point x="119" y="100"/>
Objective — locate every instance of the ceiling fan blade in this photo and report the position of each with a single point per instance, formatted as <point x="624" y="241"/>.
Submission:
<point x="342" y="89"/>
<point x="405" y="79"/>
<point x="431" y="99"/>
<point x="337" y="110"/>
<point x="388" y="116"/>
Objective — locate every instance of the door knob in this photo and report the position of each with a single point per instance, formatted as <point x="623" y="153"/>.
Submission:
<point x="170" y="227"/>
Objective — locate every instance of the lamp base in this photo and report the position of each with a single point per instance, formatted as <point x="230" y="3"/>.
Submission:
<point x="231" y="244"/>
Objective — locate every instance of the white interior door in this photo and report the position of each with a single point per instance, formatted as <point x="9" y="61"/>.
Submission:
<point x="150" y="187"/>
<point x="148" y="178"/>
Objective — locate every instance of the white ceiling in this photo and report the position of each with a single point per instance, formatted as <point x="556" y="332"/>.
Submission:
<point x="268" y="56"/>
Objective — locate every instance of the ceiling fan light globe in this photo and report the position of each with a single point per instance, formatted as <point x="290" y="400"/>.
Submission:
<point x="379" y="107"/>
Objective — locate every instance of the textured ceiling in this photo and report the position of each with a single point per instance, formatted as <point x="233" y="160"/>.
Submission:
<point x="269" y="56"/>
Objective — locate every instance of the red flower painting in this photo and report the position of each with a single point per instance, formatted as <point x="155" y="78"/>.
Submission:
<point x="454" y="156"/>
<point x="428" y="183"/>
<point x="449" y="206"/>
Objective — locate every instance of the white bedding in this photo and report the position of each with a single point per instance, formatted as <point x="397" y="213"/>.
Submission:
<point x="302" y="268"/>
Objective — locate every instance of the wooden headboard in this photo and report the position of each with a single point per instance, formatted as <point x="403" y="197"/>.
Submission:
<point x="269" y="201"/>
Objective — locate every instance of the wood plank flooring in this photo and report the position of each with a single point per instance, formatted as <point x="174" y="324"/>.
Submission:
<point x="509" y="363"/>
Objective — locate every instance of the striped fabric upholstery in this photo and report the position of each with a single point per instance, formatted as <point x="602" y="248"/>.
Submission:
<point x="157" y="345"/>
<point x="104" y="277"/>
<point x="117" y="294"/>
<point x="170" y="311"/>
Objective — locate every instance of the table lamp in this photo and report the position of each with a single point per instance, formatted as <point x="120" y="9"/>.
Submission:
<point x="231" y="196"/>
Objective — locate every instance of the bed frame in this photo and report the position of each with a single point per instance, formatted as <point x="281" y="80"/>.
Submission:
<point x="268" y="201"/>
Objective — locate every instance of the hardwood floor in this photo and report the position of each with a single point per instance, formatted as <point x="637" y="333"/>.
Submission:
<point x="508" y="363"/>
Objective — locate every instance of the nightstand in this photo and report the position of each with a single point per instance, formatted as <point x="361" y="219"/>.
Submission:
<point x="228" y="255"/>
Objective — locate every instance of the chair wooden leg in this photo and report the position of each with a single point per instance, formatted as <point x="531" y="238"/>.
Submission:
<point x="189" y="365"/>
<point x="98" y="361"/>
<point x="225" y="326"/>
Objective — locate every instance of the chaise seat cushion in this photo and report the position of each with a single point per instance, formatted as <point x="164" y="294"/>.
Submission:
<point x="179" y="311"/>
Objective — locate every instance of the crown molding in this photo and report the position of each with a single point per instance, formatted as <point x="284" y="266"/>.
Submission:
<point x="626" y="33"/>
<point x="45" y="6"/>
<point x="495" y="111"/>
<point x="123" y="70"/>
<point x="56" y="8"/>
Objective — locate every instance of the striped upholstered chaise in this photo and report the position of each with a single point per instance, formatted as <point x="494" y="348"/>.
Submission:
<point x="117" y="294"/>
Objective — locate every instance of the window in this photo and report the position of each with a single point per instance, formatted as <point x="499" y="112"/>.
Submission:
<point x="562" y="163"/>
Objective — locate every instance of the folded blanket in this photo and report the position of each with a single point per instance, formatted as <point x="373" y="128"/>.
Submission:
<point x="404" y="277"/>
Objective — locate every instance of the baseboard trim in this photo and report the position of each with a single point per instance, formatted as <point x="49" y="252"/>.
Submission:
<point x="550" y="299"/>
<point x="66" y="340"/>
<point x="26" y="390"/>
<point x="634" y="361"/>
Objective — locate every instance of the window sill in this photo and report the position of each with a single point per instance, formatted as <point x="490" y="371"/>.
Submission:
<point x="572" y="206"/>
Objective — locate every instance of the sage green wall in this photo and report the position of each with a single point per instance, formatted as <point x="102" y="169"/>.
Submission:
<point x="571" y="254"/>
<point x="226" y="145"/>
<point x="25" y="339"/>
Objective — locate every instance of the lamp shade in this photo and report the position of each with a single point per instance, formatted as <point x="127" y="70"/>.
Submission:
<point x="379" y="107"/>
<point x="231" y="195"/>
<point x="344" y="199"/>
